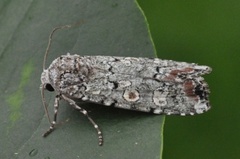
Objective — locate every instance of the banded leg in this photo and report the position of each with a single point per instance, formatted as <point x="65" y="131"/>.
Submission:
<point x="53" y="123"/>
<point x="84" y="112"/>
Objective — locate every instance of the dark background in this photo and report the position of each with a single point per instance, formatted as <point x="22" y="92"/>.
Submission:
<point x="205" y="32"/>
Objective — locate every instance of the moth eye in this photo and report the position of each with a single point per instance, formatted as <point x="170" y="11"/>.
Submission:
<point x="49" y="87"/>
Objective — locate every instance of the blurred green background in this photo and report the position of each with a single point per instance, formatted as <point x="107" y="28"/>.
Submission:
<point x="205" y="32"/>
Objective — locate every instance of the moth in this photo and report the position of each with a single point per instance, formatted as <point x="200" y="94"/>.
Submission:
<point x="142" y="84"/>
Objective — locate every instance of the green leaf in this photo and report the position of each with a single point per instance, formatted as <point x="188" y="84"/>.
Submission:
<point x="116" y="28"/>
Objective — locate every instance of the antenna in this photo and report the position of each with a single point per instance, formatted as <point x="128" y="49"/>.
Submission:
<point x="51" y="35"/>
<point x="44" y="102"/>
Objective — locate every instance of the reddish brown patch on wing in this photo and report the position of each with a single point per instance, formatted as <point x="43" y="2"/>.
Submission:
<point x="189" y="89"/>
<point x="173" y="74"/>
<point x="132" y="95"/>
<point x="185" y="70"/>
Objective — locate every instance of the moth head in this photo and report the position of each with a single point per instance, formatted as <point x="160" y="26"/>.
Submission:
<point x="46" y="82"/>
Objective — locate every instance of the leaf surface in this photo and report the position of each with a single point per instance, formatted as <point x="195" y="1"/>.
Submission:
<point x="115" y="28"/>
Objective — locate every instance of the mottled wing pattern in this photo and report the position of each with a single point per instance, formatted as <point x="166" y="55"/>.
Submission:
<point x="143" y="84"/>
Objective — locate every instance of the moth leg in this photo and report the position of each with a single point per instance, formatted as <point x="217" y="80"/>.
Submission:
<point x="84" y="112"/>
<point x="53" y="123"/>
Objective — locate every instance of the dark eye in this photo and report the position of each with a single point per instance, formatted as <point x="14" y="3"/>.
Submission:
<point x="49" y="87"/>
